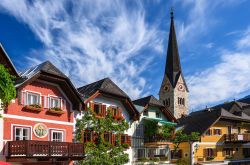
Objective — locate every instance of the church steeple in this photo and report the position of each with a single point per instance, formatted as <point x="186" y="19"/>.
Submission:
<point x="174" y="92"/>
<point x="173" y="66"/>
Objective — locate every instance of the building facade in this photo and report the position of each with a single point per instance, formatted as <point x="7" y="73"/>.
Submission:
<point x="104" y="95"/>
<point x="224" y="134"/>
<point x="148" y="143"/>
<point x="173" y="92"/>
<point x="38" y="125"/>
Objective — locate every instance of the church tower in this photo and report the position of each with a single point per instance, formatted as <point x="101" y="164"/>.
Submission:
<point x="174" y="92"/>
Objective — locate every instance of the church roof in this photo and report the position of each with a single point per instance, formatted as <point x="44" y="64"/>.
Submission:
<point x="173" y="66"/>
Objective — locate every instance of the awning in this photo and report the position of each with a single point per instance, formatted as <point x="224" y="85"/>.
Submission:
<point x="160" y="121"/>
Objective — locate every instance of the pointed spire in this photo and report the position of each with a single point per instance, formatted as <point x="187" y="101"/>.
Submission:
<point x="173" y="66"/>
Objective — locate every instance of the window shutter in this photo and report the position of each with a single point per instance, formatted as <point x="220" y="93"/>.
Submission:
<point x="64" y="107"/>
<point x="214" y="131"/>
<point x="103" y="110"/>
<point x="91" y="106"/>
<point x="119" y="112"/>
<point x="23" y="98"/>
<point x="205" y="152"/>
<point x="214" y="152"/>
<point x="113" y="139"/>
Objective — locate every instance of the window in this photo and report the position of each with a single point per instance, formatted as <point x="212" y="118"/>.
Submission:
<point x="162" y="152"/>
<point x="217" y="131"/>
<point x="145" y="113"/>
<point x="115" y="111"/>
<point x="22" y="133"/>
<point x="123" y="139"/>
<point x="32" y="98"/>
<point x="107" y="137"/>
<point x="181" y="101"/>
<point x="158" y="115"/>
<point x="97" y="108"/>
<point x="87" y="136"/>
<point x="176" y="155"/>
<point x="139" y="130"/>
<point x="209" y="132"/>
<point x="166" y="102"/>
<point x="55" y="102"/>
<point x="140" y="153"/>
<point x="210" y="152"/>
<point x="57" y="136"/>
<point x="246" y="152"/>
<point x="228" y="152"/>
<point x="239" y="130"/>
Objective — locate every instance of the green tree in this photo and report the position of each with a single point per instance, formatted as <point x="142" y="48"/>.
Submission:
<point x="7" y="88"/>
<point x="101" y="152"/>
<point x="180" y="137"/>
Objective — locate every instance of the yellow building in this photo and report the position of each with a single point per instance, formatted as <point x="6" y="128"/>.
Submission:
<point x="224" y="134"/>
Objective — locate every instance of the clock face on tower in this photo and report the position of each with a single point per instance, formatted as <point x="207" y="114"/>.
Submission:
<point x="166" y="88"/>
<point x="181" y="87"/>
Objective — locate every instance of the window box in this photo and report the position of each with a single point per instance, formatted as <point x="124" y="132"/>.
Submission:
<point x="34" y="107"/>
<point x="56" y="110"/>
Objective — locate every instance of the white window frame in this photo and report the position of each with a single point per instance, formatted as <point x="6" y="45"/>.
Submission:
<point x="51" y="98"/>
<point x="21" y="134"/>
<point x="56" y="131"/>
<point x="34" y="94"/>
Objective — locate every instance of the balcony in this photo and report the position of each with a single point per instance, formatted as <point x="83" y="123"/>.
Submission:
<point x="156" y="140"/>
<point x="237" y="138"/>
<point x="42" y="149"/>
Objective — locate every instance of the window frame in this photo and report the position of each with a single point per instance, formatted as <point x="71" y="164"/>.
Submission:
<point x="158" y="114"/>
<point x="34" y="94"/>
<point x="51" y="105"/>
<point x="15" y="127"/>
<point x="145" y="112"/>
<point x="100" y="108"/>
<point x="56" y="131"/>
<point x="217" y="129"/>
<point x="209" y="132"/>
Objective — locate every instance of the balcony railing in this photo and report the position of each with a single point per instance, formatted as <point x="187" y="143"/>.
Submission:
<point x="155" y="138"/>
<point x="237" y="138"/>
<point x="38" y="149"/>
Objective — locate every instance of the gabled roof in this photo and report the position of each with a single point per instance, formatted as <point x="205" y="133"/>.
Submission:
<point x="152" y="101"/>
<point x="108" y="88"/>
<point x="46" y="71"/>
<point x="201" y="121"/>
<point x="173" y="66"/>
<point x="148" y="100"/>
<point x="6" y="61"/>
<point x="105" y="85"/>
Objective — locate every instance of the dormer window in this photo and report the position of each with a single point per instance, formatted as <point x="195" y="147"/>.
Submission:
<point x="32" y="98"/>
<point x="145" y="113"/>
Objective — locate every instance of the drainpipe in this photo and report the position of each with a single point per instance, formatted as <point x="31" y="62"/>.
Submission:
<point x="192" y="152"/>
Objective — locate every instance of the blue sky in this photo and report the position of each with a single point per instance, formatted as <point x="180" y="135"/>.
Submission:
<point x="126" y="41"/>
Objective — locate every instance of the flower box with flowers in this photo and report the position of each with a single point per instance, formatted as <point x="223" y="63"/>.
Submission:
<point x="33" y="107"/>
<point x="56" y="110"/>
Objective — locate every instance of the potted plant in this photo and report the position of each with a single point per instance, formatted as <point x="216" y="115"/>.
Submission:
<point x="56" y="110"/>
<point x="33" y="107"/>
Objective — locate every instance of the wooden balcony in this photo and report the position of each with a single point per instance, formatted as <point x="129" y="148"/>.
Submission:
<point x="237" y="138"/>
<point x="48" y="149"/>
<point x="156" y="140"/>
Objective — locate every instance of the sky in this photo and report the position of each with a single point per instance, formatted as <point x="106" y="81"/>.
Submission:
<point x="127" y="41"/>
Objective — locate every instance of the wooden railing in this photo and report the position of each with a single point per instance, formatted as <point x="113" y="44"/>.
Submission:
<point x="33" y="148"/>
<point x="155" y="138"/>
<point x="237" y="138"/>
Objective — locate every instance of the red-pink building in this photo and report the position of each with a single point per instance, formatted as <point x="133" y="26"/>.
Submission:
<point x="38" y="125"/>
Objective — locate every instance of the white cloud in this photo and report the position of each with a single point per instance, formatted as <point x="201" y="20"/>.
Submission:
<point x="90" y="40"/>
<point x="209" y="45"/>
<point x="228" y="78"/>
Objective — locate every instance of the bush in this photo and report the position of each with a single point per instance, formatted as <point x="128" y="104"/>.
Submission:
<point x="156" y="159"/>
<point x="210" y="158"/>
<point x="144" y="159"/>
<point x="183" y="161"/>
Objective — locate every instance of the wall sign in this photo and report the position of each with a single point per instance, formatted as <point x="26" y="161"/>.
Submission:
<point x="40" y="130"/>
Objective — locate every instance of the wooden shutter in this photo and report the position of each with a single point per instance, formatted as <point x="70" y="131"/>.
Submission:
<point x="91" y="105"/>
<point x="214" y="152"/>
<point x="113" y="139"/>
<point x="23" y="98"/>
<point x="64" y="106"/>
<point x="205" y="152"/>
<point x="119" y="112"/>
<point x="103" y="110"/>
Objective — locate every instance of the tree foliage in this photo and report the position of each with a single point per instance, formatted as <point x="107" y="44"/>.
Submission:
<point x="101" y="152"/>
<point x="180" y="137"/>
<point x="7" y="88"/>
